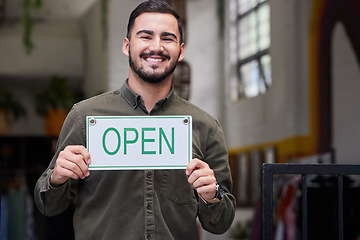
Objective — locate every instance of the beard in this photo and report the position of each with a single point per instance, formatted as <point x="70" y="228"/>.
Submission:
<point x="152" y="77"/>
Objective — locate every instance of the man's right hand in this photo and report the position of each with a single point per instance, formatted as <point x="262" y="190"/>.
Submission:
<point x="71" y="163"/>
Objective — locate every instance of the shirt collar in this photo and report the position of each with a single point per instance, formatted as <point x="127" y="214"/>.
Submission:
<point x="134" y="99"/>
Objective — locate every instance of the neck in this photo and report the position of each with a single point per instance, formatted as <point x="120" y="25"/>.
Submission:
<point x="151" y="93"/>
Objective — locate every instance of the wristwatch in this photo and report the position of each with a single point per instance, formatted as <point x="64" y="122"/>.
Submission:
<point x="218" y="196"/>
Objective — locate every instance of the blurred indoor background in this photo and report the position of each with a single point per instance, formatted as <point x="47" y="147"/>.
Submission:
<point x="281" y="76"/>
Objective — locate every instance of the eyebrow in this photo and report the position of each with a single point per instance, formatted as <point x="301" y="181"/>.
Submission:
<point x="163" y="34"/>
<point x="166" y="34"/>
<point x="145" y="31"/>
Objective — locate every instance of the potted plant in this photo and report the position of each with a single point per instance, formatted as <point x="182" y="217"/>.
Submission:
<point x="9" y="107"/>
<point x="54" y="102"/>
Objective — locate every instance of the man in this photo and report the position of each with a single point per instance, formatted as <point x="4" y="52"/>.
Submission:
<point x="138" y="204"/>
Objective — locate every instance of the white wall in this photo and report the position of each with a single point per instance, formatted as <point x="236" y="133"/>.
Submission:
<point x="96" y="57"/>
<point x="119" y="12"/>
<point x="282" y="111"/>
<point x="202" y="52"/>
<point x="346" y="88"/>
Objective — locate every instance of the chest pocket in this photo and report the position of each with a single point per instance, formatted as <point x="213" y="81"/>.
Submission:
<point x="175" y="187"/>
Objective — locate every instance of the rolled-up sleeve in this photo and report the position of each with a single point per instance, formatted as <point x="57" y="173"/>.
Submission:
<point x="216" y="156"/>
<point x="54" y="200"/>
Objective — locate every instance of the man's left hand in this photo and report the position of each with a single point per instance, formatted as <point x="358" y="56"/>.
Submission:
<point x="201" y="177"/>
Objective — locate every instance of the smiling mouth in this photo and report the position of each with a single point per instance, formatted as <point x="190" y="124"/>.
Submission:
<point x="155" y="58"/>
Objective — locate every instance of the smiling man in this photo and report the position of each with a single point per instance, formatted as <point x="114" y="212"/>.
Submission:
<point x="155" y="57"/>
<point x="142" y="204"/>
<point x="154" y="46"/>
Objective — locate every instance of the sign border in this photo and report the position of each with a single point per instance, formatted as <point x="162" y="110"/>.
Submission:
<point x="88" y="118"/>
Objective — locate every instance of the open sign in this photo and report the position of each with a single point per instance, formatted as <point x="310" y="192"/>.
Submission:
<point x="139" y="142"/>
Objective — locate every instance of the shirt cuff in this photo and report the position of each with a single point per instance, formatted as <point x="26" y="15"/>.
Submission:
<point x="215" y="209"/>
<point x="47" y="187"/>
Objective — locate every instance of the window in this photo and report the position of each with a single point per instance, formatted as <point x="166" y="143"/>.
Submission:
<point x="249" y="48"/>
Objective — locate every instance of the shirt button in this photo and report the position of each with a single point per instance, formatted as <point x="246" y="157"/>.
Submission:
<point x="149" y="175"/>
<point x="148" y="206"/>
<point x="149" y="236"/>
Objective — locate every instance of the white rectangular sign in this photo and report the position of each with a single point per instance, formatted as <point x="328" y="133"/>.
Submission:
<point x="139" y="142"/>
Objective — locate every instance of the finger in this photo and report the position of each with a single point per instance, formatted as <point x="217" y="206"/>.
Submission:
<point x="65" y="169"/>
<point x="73" y="156"/>
<point x="202" y="169"/>
<point x="195" y="163"/>
<point x="62" y="173"/>
<point x="75" y="169"/>
<point x="205" y="189"/>
<point x="196" y="176"/>
<point x="204" y="180"/>
<point x="80" y="150"/>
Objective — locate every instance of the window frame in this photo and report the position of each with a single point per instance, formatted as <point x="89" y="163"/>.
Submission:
<point x="263" y="80"/>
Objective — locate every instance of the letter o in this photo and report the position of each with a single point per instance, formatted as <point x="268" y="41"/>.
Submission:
<point x="119" y="141"/>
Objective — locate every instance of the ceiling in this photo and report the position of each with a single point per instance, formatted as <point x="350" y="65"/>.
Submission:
<point x="57" y="39"/>
<point x="51" y="9"/>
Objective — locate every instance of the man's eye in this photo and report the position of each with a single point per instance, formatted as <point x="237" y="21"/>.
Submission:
<point x="145" y="37"/>
<point x="168" y="39"/>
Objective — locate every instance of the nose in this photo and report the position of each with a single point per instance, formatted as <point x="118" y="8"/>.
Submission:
<point x="156" y="45"/>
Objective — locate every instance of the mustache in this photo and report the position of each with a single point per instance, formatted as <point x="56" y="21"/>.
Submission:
<point x="152" y="53"/>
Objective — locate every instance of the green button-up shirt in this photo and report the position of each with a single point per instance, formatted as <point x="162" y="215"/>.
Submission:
<point x="139" y="204"/>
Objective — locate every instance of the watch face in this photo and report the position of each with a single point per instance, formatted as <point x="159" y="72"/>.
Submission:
<point x="219" y="192"/>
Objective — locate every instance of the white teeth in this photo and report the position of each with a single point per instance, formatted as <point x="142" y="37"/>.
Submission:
<point x="153" y="60"/>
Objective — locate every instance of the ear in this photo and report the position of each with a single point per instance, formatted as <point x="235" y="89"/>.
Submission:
<point x="125" y="48"/>
<point x="182" y="52"/>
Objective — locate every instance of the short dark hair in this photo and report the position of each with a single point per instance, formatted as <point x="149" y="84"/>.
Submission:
<point x="153" y="6"/>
